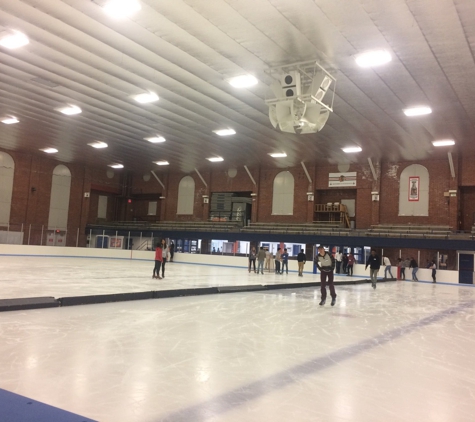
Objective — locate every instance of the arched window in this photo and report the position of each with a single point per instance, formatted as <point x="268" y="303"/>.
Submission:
<point x="414" y="191"/>
<point x="59" y="202"/>
<point x="283" y="194"/>
<point x="7" y="169"/>
<point x="186" y="196"/>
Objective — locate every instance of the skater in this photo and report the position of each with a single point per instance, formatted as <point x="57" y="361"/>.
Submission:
<point x="158" y="261"/>
<point x="433" y="267"/>
<point x="326" y="264"/>
<point x="164" y="255"/>
<point x="301" y="259"/>
<point x="261" y="256"/>
<point x="268" y="259"/>
<point x="351" y="262"/>
<point x="277" y="261"/>
<point x="415" y="268"/>
<point x="285" y="262"/>
<point x="338" y="258"/>
<point x="387" y="267"/>
<point x="374" y="263"/>
<point x="344" y="263"/>
<point x="172" y="250"/>
<point x="252" y="259"/>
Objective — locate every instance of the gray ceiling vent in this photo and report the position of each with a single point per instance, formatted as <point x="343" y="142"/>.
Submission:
<point x="44" y="82"/>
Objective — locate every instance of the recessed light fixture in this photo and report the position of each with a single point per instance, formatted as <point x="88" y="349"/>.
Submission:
<point x="215" y="159"/>
<point x="9" y="120"/>
<point x="161" y="163"/>
<point x="69" y="110"/>
<point x="225" y="132"/>
<point x="145" y="98"/>
<point x="417" y="111"/>
<point x="116" y="166"/>
<point x="155" y="139"/>
<point x="49" y="150"/>
<point x="98" y="144"/>
<point x="443" y="143"/>
<point x="351" y="149"/>
<point x="278" y="154"/>
<point x="373" y="58"/>
<point x="121" y="9"/>
<point x="243" y="81"/>
<point x="13" y="39"/>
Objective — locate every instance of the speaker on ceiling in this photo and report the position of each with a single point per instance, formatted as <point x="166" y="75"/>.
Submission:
<point x="290" y="83"/>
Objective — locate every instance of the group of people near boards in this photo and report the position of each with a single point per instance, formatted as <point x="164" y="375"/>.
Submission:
<point x="281" y="260"/>
<point x="163" y="253"/>
<point x="326" y="264"/>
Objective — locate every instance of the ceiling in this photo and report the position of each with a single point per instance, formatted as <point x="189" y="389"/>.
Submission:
<point x="185" y="50"/>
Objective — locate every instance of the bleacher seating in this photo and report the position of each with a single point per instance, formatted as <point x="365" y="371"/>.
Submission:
<point x="410" y="230"/>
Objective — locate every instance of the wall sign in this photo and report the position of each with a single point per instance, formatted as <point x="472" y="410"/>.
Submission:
<point x="341" y="179"/>
<point x="413" y="193"/>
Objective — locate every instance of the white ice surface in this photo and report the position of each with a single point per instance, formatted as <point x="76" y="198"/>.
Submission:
<point x="402" y="352"/>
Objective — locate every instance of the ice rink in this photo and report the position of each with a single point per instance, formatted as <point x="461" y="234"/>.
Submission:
<point x="402" y="352"/>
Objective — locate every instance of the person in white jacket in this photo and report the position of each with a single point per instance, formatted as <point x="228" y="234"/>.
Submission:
<point x="387" y="268"/>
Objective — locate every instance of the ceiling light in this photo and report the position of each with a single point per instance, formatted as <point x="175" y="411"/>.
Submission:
<point x="278" y="154"/>
<point x="243" y="81"/>
<point x="215" y="159"/>
<point x="49" y="150"/>
<point x="443" y="143"/>
<point x="162" y="163"/>
<point x="225" y="132"/>
<point x="13" y="39"/>
<point x="155" y="139"/>
<point x="116" y="166"/>
<point x="352" y="149"/>
<point x="417" y="111"/>
<point x="121" y="9"/>
<point x="70" y="110"/>
<point x="9" y="120"/>
<point x="98" y="144"/>
<point x="373" y="58"/>
<point x="148" y="97"/>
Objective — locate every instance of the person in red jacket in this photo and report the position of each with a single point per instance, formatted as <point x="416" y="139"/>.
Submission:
<point x="158" y="261"/>
<point x="351" y="262"/>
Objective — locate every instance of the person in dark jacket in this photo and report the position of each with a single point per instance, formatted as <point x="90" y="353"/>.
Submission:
<point x="374" y="263"/>
<point x="326" y="264"/>
<point x="415" y="267"/>
<point x="301" y="259"/>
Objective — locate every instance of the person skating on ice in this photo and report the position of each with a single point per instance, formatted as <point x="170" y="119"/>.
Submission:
<point x="326" y="265"/>
<point x="301" y="259"/>
<point x="374" y="263"/>
<point x="158" y="260"/>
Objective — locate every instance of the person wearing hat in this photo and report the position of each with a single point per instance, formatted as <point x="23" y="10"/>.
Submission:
<point x="326" y="264"/>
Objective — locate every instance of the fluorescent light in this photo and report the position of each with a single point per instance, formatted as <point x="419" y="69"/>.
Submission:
<point x="121" y="9"/>
<point x="13" y="39"/>
<point x="225" y="132"/>
<point x="116" y="166"/>
<point x="70" y="110"/>
<point x="243" y="81"/>
<point x="215" y="159"/>
<point x="352" y="149"/>
<point x="373" y="58"/>
<point x="49" y="150"/>
<point x="9" y="120"/>
<point x="417" y="111"/>
<point x="162" y="163"/>
<point x="155" y="139"/>
<point x="98" y="144"/>
<point x="443" y="143"/>
<point x="278" y="154"/>
<point x="148" y="97"/>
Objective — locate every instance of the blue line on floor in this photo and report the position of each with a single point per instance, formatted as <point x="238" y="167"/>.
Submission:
<point x="247" y="393"/>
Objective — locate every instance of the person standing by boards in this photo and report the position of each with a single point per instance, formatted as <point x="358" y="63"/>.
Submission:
<point x="158" y="261"/>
